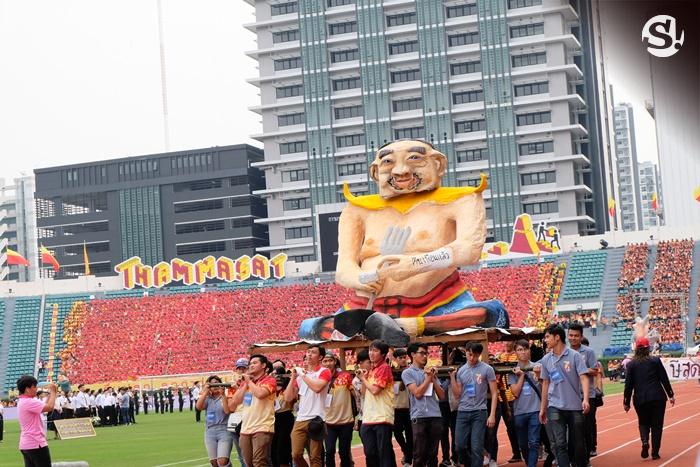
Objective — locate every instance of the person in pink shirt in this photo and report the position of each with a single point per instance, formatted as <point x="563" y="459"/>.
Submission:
<point x="32" y="438"/>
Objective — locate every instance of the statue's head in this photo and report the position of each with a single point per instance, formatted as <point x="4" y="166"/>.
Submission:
<point x="407" y="166"/>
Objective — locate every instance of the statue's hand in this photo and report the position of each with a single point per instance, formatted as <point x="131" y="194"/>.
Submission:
<point x="397" y="268"/>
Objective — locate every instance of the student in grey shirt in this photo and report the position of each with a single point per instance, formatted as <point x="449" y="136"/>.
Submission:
<point x="564" y="374"/>
<point x="526" y="407"/>
<point x="471" y="384"/>
<point x="590" y="425"/>
<point x="424" y="391"/>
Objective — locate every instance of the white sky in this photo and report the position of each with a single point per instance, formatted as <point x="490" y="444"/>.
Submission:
<point x="80" y="80"/>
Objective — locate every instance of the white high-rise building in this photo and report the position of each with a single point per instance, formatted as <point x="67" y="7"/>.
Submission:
<point x="504" y="87"/>
<point x="650" y="183"/>
<point x="18" y="228"/>
<point x="627" y="170"/>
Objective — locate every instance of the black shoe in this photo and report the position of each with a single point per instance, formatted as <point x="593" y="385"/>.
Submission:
<point x="655" y="457"/>
<point x="645" y="451"/>
<point x="515" y="459"/>
<point x="593" y="453"/>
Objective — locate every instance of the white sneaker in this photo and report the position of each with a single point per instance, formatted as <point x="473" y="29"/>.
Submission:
<point x="486" y="461"/>
<point x="493" y="463"/>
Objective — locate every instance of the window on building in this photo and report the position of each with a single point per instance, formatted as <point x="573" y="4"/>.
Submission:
<point x="241" y="222"/>
<point x="238" y="201"/>
<point x="534" y="118"/>
<point x="471" y="155"/>
<point x="455" y="11"/>
<point x="538" y="178"/>
<point x="469" y="182"/>
<point x="345" y="141"/>
<point x="526" y="30"/>
<point x="465" y="97"/>
<point x="470" y="125"/>
<point x="466" y="38"/>
<point x="401" y="19"/>
<point x="347" y="83"/>
<point x="298" y="232"/>
<point x="403" y="47"/>
<point x="205" y="205"/>
<point x="512" y="4"/>
<point x="207" y="226"/>
<point x="332" y="3"/>
<point x="353" y="168"/>
<point x="293" y="147"/>
<point x="531" y="88"/>
<point x="239" y="180"/>
<point x="291" y="119"/>
<point x="295" y="175"/>
<point x="351" y="111"/>
<point x="205" y="247"/>
<point x="545" y="207"/>
<point x="416" y="132"/>
<point x="287" y="63"/>
<point x="84" y="204"/>
<point x="404" y="76"/>
<point x="342" y="28"/>
<point x="465" y="68"/>
<point x="283" y="8"/>
<point x="285" y="36"/>
<point x="289" y="91"/>
<point x="345" y="55"/>
<point x="302" y="258"/>
<point x="535" y="58"/>
<point x="296" y="204"/>
<point x="403" y="105"/>
<point x="538" y="147"/>
<point x="197" y="185"/>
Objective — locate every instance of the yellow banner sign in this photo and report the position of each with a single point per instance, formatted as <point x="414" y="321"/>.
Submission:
<point x="134" y="272"/>
<point x="75" y="428"/>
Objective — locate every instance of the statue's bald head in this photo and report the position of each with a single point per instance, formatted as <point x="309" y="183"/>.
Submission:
<point x="407" y="166"/>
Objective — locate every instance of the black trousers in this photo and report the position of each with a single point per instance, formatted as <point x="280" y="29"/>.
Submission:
<point x="341" y="435"/>
<point x="491" y="441"/>
<point x="426" y="438"/>
<point x="403" y="432"/>
<point x="591" y="426"/>
<point x="376" y="441"/>
<point x="281" y="441"/>
<point x="82" y="412"/>
<point x="651" y="417"/>
<point x="171" y="405"/>
<point x="197" y="415"/>
<point x="40" y="457"/>
<point x="2" y="426"/>
<point x="446" y="426"/>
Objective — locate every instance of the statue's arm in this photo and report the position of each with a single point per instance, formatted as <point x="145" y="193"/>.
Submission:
<point x="351" y="234"/>
<point x="469" y="216"/>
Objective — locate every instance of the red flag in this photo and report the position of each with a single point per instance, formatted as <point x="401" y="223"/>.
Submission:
<point x="14" y="258"/>
<point x="48" y="258"/>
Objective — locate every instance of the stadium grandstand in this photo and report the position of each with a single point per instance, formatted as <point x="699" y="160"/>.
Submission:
<point x="93" y="331"/>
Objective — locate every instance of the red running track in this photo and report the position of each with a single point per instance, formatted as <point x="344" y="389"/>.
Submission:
<point x="618" y="436"/>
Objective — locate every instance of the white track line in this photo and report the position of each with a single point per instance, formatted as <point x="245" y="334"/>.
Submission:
<point x="636" y="440"/>
<point x="635" y="421"/>
<point x="679" y="454"/>
<point x="182" y="462"/>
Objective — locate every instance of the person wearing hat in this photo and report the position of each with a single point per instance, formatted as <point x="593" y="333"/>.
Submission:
<point x="648" y="386"/>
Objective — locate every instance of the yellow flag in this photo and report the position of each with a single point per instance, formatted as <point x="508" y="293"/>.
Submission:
<point x="86" y="260"/>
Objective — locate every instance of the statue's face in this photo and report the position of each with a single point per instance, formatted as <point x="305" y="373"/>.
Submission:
<point x="407" y="167"/>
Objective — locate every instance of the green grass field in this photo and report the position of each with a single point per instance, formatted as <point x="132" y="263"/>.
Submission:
<point x="173" y="439"/>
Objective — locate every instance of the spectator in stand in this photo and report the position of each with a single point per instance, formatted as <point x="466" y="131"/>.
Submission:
<point x="311" y="387"/>
<point x="648" y="382"/>
<point x="32" y="439"/>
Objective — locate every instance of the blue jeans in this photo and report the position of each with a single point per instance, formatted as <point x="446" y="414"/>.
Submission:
<point x="528" y="427"/>
<point x="471" y="428"/>
<point x="124" y="415"/>
<point x="558" y="423"/>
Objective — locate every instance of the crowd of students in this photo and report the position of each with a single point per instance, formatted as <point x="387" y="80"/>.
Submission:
<point x="272" y="414"/>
